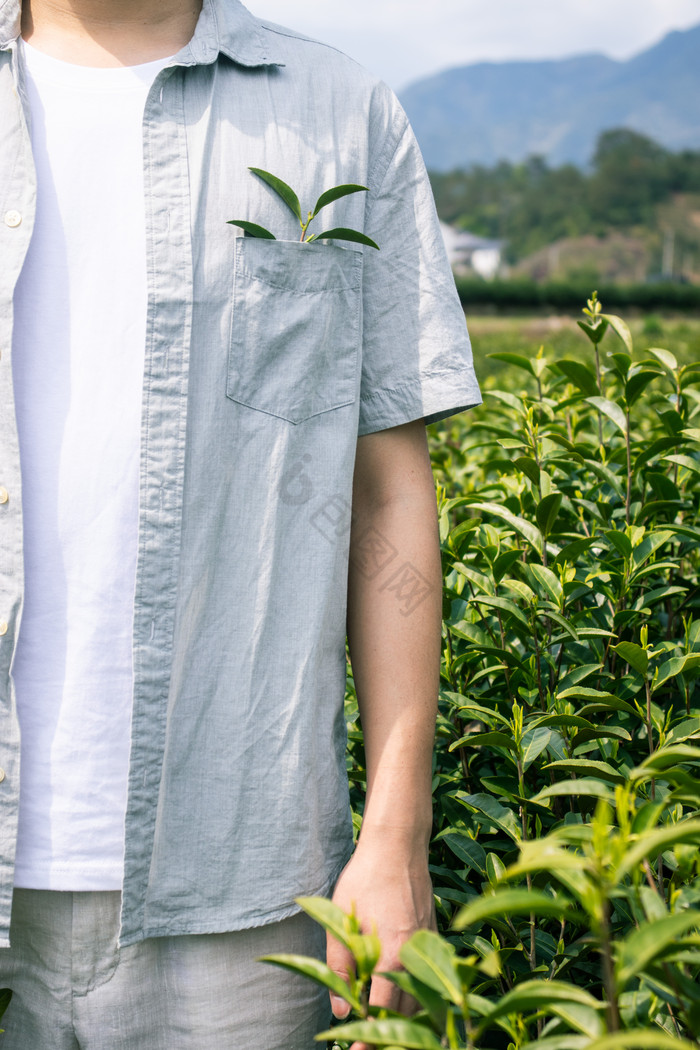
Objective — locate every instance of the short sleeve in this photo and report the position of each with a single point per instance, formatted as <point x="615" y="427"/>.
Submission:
<point x="416" y="354"/>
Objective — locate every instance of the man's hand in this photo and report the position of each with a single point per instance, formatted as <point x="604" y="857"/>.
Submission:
<point x="394" y="623"/>
<point x="388" y="885"/>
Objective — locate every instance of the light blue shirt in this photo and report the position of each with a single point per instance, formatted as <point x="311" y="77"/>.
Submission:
<point x="264" y="362"/>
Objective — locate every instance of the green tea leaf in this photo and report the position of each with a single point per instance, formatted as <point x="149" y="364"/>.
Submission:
<point x="686" y="729"/>
<point x="675" y="666"/>
<point x="665" y="357"/>
<point x="503" y="563"/>
<point x="366" y="949"/>
<point x="637" y="384"/>
<point x="690" y="464"/>
<point x="606" y="475"/>
<point x="335" y="194"/>
<point x="514" y="402"/>
<point x="508" y="607"/>
<point x="252" y="228"/>
<point x="539" y="995"/>
<point x="317" y="971"/>
<point x="667" y="756"/>
<point x="650" y="544"/>
<point x="620" y="542"/>
<point x="620" y="328"/>
<point x="597" y="697"/>
<point x="545" y="855"/>
<point x="580" y="375"/>
<point x="515" y="359"/>
<point x="633" y="655"/>
<point x="611" y="410"/>
<point x="651" y="451"/>
<point x="521" y="589"/>
<point x="647" y="816"/>
<point x="495" y="868"/>
<point x="431" y="959"/>
<point x="409" y="1035"/>
<point x="572" y="550"/>
<point x="528" y="531"/>
<point x="331" y="917"/>
<point x="607" y="732"/>
<point x="642" y="945"/>
<point x="341" y="234"/>
<point x="281" y="189"/>
<point x="581" y="1018"/>
<point x="431" y="1001"/>
<point x="586" y="786"/>
<point x="572" y="721"/>
<point x="497" y="815"/>
<point x="506" y="902"/>
<point x="595" y="332"/>
<point x="468" y="850"/>
<point x="484" y="740"/>
<point x="654" y="842"/>
<point x="547" y="511"/>
<point x="641" y="1039"/>
<point x="588" y="767"/>
<point x="621" y="363"/>
<point x="534" y="742"/>
<point x="527" y="466"/>
<point x="578" y="674"/>
<point x="559" y="1042"/>
<point x="548" y="581"/>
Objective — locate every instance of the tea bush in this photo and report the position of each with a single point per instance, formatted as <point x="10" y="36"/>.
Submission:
<point x="567" y="800"/>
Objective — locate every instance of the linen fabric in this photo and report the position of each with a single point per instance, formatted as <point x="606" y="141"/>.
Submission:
<point x="75" y="989"/>
<point x="80" y="319"/>
<point x="264" y="361"/>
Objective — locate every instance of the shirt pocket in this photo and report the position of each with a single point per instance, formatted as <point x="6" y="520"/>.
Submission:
<point x="295" y="327"/>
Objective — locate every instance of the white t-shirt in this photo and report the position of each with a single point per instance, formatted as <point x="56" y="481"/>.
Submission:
<point x="78" y="356"/>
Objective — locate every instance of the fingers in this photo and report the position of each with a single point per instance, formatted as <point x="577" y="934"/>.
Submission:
<point x="384" y="992"/>
<point x="341" y="962"/>
<point x="407" y="1005"/>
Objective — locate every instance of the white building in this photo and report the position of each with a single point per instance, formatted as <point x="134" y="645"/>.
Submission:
<point x="469" y="252"/>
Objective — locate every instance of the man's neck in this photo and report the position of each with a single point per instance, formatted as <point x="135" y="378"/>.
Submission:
<point x="109" y="32"/>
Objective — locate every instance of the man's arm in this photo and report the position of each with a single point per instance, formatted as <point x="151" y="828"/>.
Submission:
<point x="393" y="623"/>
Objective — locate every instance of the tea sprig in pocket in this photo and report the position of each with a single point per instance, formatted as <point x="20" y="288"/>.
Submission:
<point x="339" y="233"/>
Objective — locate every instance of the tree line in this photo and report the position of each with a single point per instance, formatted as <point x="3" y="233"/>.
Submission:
<point x="530" y="204"/>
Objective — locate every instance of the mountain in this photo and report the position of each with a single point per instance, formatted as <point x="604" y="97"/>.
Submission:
<point x="491" y="111"/>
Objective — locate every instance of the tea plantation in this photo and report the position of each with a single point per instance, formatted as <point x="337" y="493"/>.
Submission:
<point x="567" y="769"/>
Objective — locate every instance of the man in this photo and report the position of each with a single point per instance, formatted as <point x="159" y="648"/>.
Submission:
<point x="205" y="437"/>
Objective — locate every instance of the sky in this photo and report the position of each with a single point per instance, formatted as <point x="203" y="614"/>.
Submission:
<point x="405" y="40"/>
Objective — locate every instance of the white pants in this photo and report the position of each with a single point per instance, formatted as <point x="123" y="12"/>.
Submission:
<point x="74" y="990"/>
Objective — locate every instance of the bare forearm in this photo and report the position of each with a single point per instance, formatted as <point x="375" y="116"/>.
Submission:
<point x="394" y="615"/>
<point x="394" y="607"/>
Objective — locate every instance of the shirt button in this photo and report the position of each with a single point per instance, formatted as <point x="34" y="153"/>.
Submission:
<point x="4" y="495"/>
<point x="12" y="218"/>
<point x="3" y="627"/>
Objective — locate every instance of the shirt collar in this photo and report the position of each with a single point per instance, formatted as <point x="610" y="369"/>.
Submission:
<point x="224" y="26"/>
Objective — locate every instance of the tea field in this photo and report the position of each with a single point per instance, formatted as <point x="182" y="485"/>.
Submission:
<point x="566" y="782"/>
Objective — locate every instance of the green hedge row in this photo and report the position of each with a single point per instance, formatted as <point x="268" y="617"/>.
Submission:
<point x="528" y="295"/>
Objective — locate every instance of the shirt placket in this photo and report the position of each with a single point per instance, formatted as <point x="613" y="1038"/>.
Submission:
<point x="162" y="458"/>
